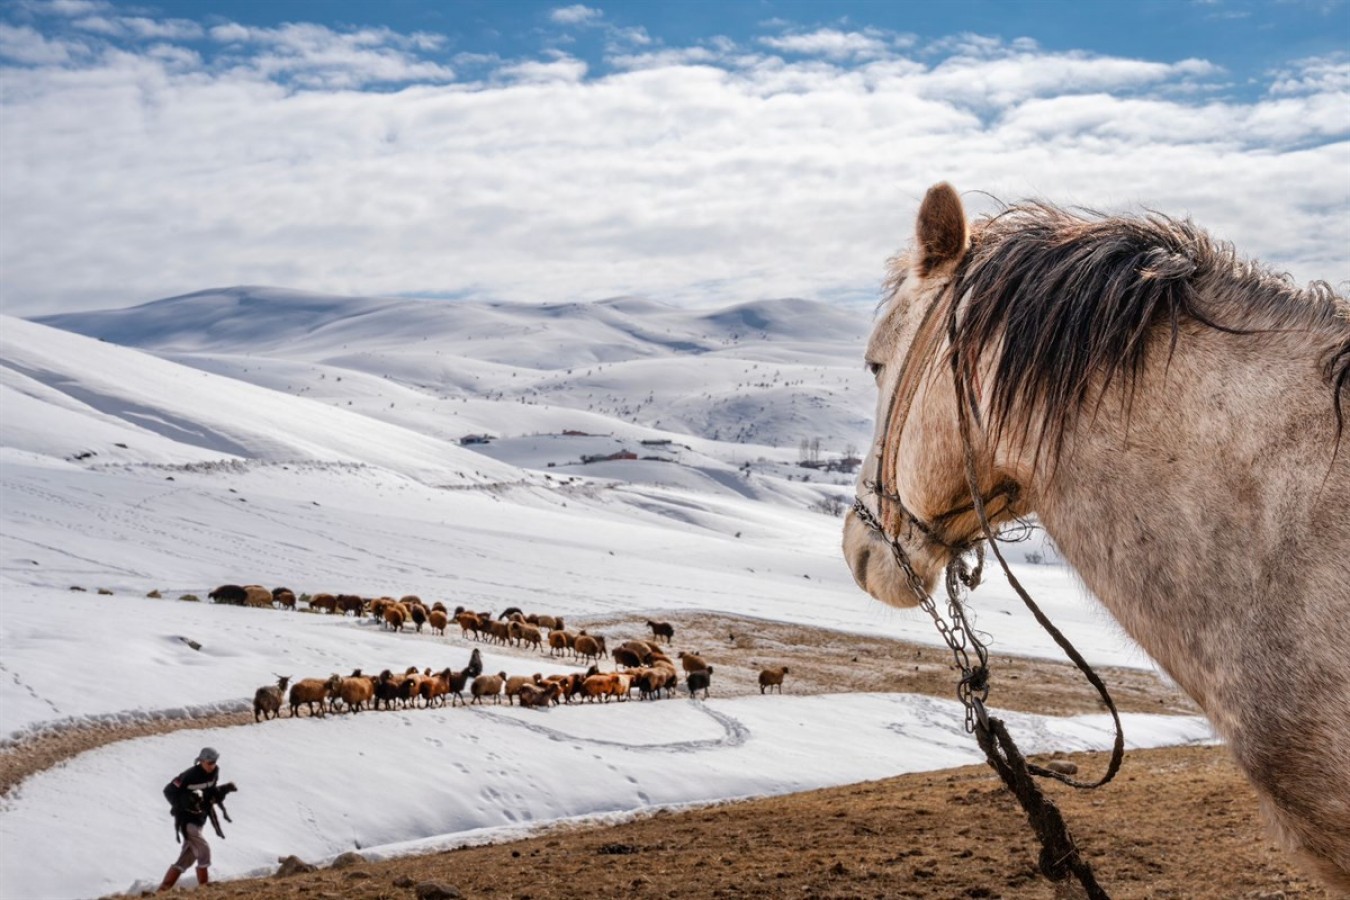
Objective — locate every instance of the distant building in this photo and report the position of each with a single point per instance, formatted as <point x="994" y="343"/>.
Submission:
<point x="568" y="432"/>
<point x="607" y="457"/>
<point x="657" y="442"/>
<point x="475" y="439"/>
<point x="847" y="464"/>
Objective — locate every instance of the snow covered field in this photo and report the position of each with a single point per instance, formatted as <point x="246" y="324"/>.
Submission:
<point x="275" y="438"/>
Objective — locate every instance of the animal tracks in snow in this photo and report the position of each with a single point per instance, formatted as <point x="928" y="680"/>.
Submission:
<point x="734" y="734"/>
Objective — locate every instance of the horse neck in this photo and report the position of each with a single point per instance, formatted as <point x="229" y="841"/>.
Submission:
<point x="1213" y="517"/>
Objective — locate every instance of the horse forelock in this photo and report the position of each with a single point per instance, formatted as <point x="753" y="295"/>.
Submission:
<point x="1071" y="302"/>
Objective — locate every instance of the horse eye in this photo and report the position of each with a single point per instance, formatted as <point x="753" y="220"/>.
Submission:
<point x="874" y="368"/>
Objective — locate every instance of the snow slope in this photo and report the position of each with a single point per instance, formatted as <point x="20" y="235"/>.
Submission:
<point x="209" y="461"/>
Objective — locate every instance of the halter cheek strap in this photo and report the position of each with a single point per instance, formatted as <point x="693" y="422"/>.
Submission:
<point x="892" y="514"/>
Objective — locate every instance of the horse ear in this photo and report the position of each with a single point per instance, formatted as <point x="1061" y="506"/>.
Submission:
<point x="942" y="232"/>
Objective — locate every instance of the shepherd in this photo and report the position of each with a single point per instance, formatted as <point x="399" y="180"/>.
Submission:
<point x="1175" y="417"/>
<point x="192" y="798"/>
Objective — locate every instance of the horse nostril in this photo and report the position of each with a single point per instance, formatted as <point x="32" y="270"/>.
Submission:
<point x="860" y="567"/>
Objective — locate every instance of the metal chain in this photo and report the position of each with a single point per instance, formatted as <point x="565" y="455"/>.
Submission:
<point x="973" y="688"/>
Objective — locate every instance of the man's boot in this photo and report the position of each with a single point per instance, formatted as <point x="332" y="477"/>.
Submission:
<point x="201" y="875"/>
<point x="170" y="878"/>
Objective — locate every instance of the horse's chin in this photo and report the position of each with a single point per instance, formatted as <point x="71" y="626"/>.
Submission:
<point x="874" y="568"/>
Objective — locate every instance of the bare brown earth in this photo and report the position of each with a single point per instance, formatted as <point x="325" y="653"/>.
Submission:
<point x="1175" y="823"/>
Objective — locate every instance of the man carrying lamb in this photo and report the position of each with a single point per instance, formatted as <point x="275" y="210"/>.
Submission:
<point x="188" y="797"/>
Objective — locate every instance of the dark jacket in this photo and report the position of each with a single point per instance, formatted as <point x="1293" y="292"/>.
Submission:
<point x="184" y="794"/>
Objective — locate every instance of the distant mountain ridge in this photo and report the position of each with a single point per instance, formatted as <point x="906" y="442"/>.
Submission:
<point x="770" y="372"/>
<point x="246" y="319"/>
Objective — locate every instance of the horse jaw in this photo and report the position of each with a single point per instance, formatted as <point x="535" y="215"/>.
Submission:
<point x="872" y="561"/>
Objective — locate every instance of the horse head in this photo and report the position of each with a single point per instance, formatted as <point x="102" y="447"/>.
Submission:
<point x="914" y="513"/>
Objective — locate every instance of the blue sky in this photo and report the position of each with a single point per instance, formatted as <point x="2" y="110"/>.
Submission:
<point x="693" y="152"/>
<point x="1244" y="36"/>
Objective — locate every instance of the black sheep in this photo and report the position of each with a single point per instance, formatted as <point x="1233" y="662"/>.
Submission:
<point x="699" y="681"/>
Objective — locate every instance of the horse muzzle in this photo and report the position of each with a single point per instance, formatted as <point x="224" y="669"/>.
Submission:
<point x="872" y="560"/>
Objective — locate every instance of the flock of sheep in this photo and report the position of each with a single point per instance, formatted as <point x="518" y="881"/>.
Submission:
<point x="639" y="665"/>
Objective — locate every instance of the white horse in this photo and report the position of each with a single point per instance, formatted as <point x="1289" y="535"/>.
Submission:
<point x="1174" y="415"/>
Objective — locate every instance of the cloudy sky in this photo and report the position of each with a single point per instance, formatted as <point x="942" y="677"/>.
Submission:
<point x="695" y="152"/>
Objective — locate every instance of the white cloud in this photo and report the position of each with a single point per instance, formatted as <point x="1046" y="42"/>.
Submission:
<point x="562" y="69"/>
<point x="832" y="44"/>
<point x="577" y="14"/>
<point x="1318" y="74"/>
<point x="99" y="25"/>
<point x="707" y="173"/>
<point x="76" y="7"/>
<point x="166" y="29"/>
<point x="637" y="37"/>
<point x="140" y="27"/>
<point x="317" y="56"/>
<point x="26" y="46"/>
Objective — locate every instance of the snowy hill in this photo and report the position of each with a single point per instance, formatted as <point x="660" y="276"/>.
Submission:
<point x="768" y="373"/>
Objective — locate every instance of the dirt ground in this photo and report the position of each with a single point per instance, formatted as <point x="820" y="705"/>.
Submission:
<point x="1175" y="823"/>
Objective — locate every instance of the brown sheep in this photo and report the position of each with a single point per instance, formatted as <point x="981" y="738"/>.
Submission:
<point x="771" y="677"/>
<point x="268" y="699"/>
<point x="283" y="597"/>
<point x="410" y="687"/>
<point x="348" y="603"/>
<point x="640" y="649"/>
<point x="552" y="623"/>
<point x="562" y="682"/>
<point x="589" y="646"/>
<point x="621" y="685"/>
<point x="648" y="682"/>
<point x="601" y="685"/>
<point x="532" y="696"/>
<point x="488" y="686"/>
<point x="325" y="602"/>
<point x="436" y="687"/>
<point x="468" y="622"/>
<point x="257" y="596"/>
<point x="691" y="662"/>
<point x="499" y="631"/>
<point x="310" y="691"/>
<point x="437" y="619"/>
<point x="576" y="683"/>
<point x="516" y="682"/>
<point x="665" y="677"/>
<point x="419" y="615"/>
<point x="411" y="599"/>
<point x="560" y="641"/>
<point x="394" y="617"/>
<point x="527" y="635"/>
<point x="662" y="630"/>
<point x="627" y="658"/>
<point x="356" y="691"/>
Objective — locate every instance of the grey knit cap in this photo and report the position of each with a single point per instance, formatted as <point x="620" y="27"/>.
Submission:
<point x="208" y="754"/>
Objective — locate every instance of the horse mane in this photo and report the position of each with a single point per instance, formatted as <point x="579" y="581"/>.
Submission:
<point x="1071" y="301"/>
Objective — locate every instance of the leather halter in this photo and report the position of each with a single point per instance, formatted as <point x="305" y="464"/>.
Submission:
<point x="892" y="512"/>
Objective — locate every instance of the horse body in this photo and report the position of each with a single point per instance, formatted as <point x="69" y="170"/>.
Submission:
<point x="1200" y="488"/>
